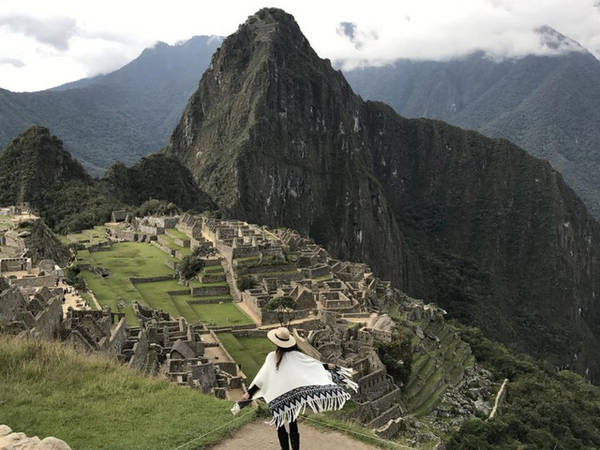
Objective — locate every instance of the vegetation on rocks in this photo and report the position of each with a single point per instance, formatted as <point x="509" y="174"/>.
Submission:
<point x="397" y="356"/>
<point x="544" y="408"/>
<point x="189" y="266"/>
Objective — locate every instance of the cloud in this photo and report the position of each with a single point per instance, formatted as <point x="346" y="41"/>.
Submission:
<point x="351" y="32"/>
<point x="12" y="61"/>
<point x="379" y="33"/>
<point x="55" y="32"/>
<point x="62" y="40"/>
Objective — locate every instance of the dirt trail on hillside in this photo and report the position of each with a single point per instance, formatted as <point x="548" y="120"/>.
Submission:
<point x="259" y="435"/>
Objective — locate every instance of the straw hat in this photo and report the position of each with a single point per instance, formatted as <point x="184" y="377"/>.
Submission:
<point x="281" y="337"/>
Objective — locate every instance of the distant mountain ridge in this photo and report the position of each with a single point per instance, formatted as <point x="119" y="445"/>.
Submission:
<point x="121" y="116"/>
<point x="548" y="105"/>
<point x="36" y="169"/>
<point x="276" y="136"/>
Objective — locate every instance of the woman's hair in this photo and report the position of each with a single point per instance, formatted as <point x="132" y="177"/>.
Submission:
<point x="282" y="351"/>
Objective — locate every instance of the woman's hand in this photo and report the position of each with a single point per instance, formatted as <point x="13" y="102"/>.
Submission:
<point x="331" y="366"/>
<point x="246" y="396"/>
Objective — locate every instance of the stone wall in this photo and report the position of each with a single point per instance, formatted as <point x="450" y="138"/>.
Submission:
<point x="48" y="321"/>
<point x="150" y="279"/>
<point x="118" y="335"/>
<point x="249" y="333"/>
<point x="140" y="351"/>
<point x="31" y="282"/>
<point x="270" y="317"/>
<point x="11" y="301"/>
<point x="209" y="291"/>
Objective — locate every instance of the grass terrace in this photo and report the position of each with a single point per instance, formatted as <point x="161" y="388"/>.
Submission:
<point x="93" y="402"/>
<point x="89" y="237"/>
<point x="176" y="233"/>
<point x="123" y="261"/>
<point x="127" y="260"/>
<point x="168" y="241"/>
<point x="248" y="352"/>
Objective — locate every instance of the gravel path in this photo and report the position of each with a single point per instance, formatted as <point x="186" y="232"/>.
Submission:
<point x="259" y="435"/>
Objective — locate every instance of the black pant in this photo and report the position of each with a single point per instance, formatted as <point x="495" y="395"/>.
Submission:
<point x="294" y="437"/>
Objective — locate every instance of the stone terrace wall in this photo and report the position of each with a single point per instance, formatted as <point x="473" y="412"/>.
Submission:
<point x="31" y="282"/>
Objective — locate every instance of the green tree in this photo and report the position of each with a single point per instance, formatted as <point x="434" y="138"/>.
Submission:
<point x="284" y="306"/>
<point x="189" y="267"/>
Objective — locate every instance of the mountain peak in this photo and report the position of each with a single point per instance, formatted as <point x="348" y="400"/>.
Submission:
<point x="556" y="41"/>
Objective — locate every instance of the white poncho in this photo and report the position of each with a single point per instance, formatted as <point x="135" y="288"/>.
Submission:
<point x="300" y="381"/>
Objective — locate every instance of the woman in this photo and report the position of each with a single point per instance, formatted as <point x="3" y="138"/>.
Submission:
<point x="290" y="380"/>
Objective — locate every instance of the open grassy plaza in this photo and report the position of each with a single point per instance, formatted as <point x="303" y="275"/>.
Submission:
<point x="128" y="260"/>
<point x="89" y="237"/>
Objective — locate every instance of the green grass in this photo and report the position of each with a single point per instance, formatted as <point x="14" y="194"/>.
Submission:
<point x="185" y="251"/>
<point x="124" y="260"/>
<point x="214" y="269"/>
<point x="87" y="297"/>
<point x="323" y="278"/>
<point x="168" y="241"/>
<point x="138" y="260"/>
<point x="92" y="402"/>
<point x="215" y="314"/>
<point x="200" y="284"/>
<point x="94" y="235"/>
<point x="248" y="258"/>
<point x="248" y="352"/>
<point x="178" y="234"/>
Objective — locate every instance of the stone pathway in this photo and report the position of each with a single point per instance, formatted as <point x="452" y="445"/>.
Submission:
<point x="263" y="436"/>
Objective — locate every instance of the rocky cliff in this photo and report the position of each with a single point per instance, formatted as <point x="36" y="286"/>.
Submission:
<point x="545" y="104"/>
<point x="275" y="135"/>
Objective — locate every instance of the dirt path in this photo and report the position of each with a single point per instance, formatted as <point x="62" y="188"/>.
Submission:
<point x="259" y="435"/>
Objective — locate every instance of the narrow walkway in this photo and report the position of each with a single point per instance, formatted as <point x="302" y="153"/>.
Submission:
<point x="262" y="436"/>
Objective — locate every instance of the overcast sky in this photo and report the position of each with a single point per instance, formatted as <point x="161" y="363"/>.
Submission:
<point x="47" y="43"/>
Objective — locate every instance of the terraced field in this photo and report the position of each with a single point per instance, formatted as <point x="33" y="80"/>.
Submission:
<point x="140" y="260"/>
<point x="89" y="237"/>
<point x="440" y="365"/>
<point x="123" y="261"/>
<point x="248" y="352"/>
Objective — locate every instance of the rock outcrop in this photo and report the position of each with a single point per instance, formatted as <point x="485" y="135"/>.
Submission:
<point x="276" y="136"/>
<point x="10" y="440"/>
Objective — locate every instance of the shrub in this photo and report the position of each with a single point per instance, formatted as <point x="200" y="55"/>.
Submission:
<point x="246" y="283"/>
<point x="397" y="356"/>
<point x="189" y="267"/>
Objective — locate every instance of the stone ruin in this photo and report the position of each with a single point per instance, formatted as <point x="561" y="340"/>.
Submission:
<point x="37" y="315"/>
<point x="183" y="353"/>
<point x="348" y="344"/>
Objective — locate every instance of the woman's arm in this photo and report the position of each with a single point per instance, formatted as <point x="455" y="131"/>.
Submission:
<point x="251" y="391"/>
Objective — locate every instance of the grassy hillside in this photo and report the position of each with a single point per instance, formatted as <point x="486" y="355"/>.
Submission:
<point x="95" y="403"/>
